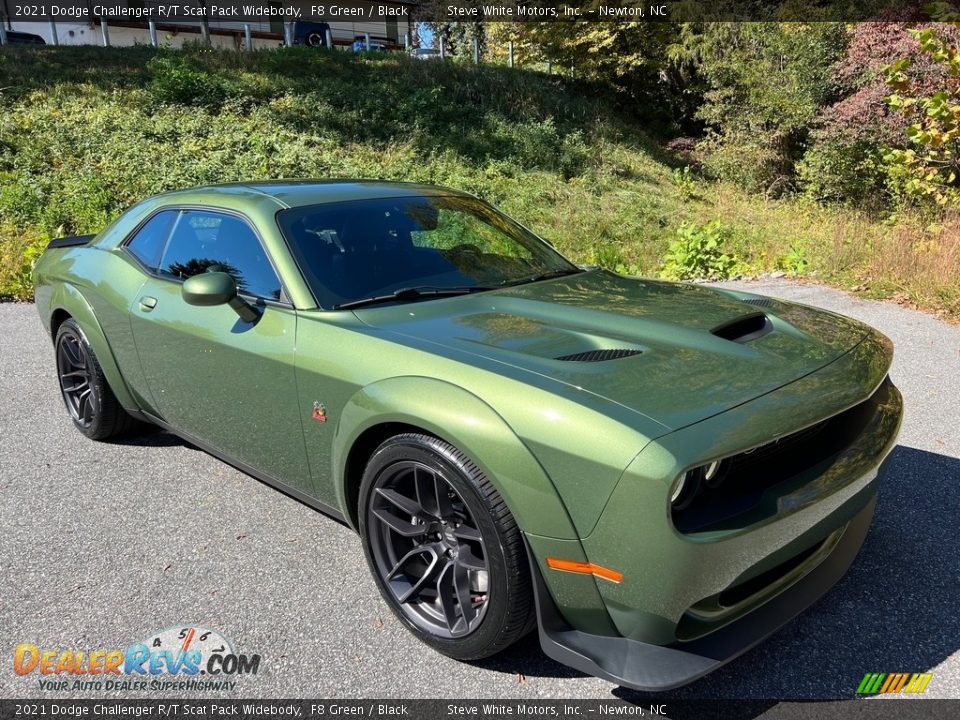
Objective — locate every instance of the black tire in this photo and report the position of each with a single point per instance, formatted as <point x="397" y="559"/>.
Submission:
<point x="316" y="39"/>
<point x="92" y="406"/>
<point x="472" y="520"/>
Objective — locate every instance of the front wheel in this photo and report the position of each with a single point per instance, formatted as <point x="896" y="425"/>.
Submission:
<point x="444" y="549"/>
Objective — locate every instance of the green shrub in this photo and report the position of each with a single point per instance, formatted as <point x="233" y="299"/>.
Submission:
<point x="929" y="169"/>
<point x="17" y="258"/>
<point x="752" y="163"/>
<point x="836" y="171"/>
<point x="176" y="83"/>
<point x="698" y="254"/>
<point x="607" y="255"/>
<point x="795" y="261"/>
<point x="683" y="181"/>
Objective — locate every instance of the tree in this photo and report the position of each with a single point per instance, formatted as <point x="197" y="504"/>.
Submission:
<point x="457" y="36"/>
<point x="763" y="85"/>
<point x="630" y="57"/>
<point x="930" y="166"/>
<point x="859" y="110"/>
<point x="852" y="136"/>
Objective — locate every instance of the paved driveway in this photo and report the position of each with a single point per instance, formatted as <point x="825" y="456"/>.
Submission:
<point x="103" y="544"/>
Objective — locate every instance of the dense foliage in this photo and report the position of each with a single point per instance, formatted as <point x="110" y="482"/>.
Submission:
<point x="930" y="165"/>
<point x="777" y="108"/>
<point x="849" y="157"/>
<point x="87" y="131"/>
<point x="763" y="85"/>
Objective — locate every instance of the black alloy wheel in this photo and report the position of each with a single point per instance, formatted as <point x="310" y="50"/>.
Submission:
<point x="444" y="550"/>
<point x="93" y="407"/>
<point x="76" y="382"/>
<point x="428" y="549"/>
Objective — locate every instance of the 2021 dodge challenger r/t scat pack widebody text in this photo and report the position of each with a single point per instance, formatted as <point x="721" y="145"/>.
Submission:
<point x="655" y="475"/>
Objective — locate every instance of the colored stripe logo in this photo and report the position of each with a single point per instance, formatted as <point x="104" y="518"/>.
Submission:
<point x="880" y="683"/>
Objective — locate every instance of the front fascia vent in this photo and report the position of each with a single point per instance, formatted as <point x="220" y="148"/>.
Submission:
<point x="744" y="329"/>
<point x="599" y="355"/>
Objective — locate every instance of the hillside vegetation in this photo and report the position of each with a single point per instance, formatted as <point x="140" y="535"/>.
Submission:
<point x="87" y="131"/>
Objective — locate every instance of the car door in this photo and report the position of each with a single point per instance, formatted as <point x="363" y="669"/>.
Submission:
<point x="224" y="381"/>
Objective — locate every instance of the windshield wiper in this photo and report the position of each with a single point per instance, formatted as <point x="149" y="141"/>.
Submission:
<point x="412" y="293"/>
<point x="546" y="276"/>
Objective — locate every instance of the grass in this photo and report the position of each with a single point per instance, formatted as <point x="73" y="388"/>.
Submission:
<point x="87" y="131"/>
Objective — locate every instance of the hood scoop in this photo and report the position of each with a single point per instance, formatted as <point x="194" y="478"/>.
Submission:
<point x="744" y="329"/>
<point x="599" y="355"/>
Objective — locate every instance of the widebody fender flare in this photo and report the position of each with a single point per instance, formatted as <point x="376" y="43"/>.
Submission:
<point x="459" y="417"/>
<point x="68" y="298"/>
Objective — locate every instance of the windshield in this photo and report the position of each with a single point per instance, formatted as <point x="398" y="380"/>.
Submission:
<point x="362" y="249"/>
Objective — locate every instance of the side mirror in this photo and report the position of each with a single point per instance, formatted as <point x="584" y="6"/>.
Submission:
<point x="217" y="288"/>
<point x="211" y="288"/>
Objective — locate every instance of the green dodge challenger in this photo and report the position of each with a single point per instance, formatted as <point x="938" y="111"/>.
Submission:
<point x="654" y="475"/>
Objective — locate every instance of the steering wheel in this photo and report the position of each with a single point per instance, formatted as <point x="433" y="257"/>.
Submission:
<point x="466" y="249"/>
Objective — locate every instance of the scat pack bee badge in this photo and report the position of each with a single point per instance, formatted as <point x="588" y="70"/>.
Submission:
<point x="319" y="412"/>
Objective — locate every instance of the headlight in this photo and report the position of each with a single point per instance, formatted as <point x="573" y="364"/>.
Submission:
<point x="678" y="489"/>
<point x="688" y="485"/>
<point x="714" y="473"/>
<point x="685" y="489"/>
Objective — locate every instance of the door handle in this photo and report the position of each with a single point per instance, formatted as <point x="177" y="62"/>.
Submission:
<point x="148" y="303"/>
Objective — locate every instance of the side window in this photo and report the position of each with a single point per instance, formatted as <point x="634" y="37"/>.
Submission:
<point x="148" y="243"/>
<point x="202" y="240"/>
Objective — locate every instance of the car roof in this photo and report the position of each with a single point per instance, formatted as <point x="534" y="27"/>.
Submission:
<point x="297" y="193"/>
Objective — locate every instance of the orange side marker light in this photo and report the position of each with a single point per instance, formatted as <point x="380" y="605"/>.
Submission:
<point x="584" y="568"/>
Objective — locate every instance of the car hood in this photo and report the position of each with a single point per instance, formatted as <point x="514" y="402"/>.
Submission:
<point x="682" y="369"/>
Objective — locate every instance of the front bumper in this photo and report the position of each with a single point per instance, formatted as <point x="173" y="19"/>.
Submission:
<point x="689" y="602"/>
<point x="644" y="666"/>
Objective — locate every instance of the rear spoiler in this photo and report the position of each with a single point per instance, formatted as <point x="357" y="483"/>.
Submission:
<point x="70" y="241"/>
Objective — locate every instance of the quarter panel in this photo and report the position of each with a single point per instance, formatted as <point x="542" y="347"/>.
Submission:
<point x="93" y="286"/>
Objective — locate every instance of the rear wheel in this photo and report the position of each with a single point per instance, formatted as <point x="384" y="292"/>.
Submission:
<point x="91" y="403"/>
<point x="444" y="549"/>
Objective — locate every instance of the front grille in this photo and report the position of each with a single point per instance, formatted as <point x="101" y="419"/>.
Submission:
<point x="599" y="355"/>
<point x="779" y="445"/>
<point x="747" y="489"/>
